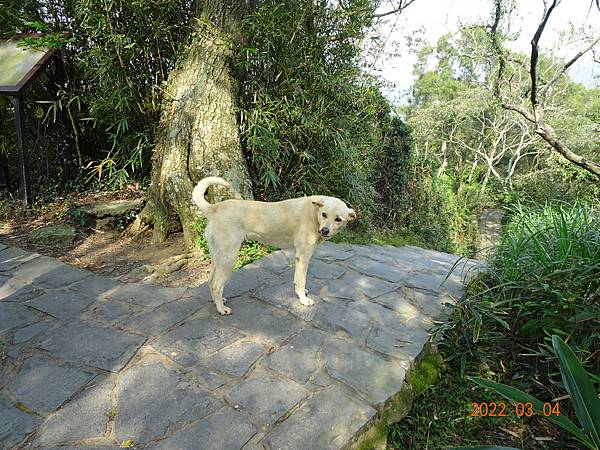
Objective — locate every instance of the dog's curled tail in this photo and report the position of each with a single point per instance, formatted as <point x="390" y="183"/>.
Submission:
<point x="200" y="190"/>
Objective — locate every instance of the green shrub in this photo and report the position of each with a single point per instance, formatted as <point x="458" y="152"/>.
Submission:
<point x="439" y="209"/>
<point x="312" y="120"/>
<point x="249" y="252"/>
<point x="544" y="279"/>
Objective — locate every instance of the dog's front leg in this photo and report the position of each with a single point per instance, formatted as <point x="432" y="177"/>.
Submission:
<point x="303" y="254"/>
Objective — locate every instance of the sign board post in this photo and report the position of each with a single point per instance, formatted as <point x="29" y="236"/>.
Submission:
<point x="18" y="67"/>
<point x="25" y="190"/>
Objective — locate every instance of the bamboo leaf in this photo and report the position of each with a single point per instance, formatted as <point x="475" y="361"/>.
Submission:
<point x="580" y="387"/>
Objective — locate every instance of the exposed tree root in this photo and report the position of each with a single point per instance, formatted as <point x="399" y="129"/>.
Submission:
<point x="151" y="273"/>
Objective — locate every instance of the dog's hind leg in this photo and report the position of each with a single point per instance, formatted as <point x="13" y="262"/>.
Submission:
<point x="304" y="252"/>
<point x="224" y="253"/>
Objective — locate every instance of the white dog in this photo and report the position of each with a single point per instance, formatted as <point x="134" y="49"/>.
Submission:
<point x="299" y="223"/>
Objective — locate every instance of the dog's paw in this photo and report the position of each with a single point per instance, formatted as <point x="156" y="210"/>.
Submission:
<point x="225" y="311"/>
<point x="306" y="301"/>
<point x="224" y="300"/>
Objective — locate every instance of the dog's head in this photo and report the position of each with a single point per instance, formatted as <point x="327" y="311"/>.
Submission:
<point x="332" y="215"/>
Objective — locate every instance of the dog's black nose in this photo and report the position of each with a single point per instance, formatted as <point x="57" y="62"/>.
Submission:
<point x="324" y="231"/>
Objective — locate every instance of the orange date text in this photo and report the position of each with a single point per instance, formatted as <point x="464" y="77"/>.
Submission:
<point x="501" y="409"/>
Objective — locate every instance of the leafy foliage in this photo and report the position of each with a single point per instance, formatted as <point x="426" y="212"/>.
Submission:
<point x="99" y="106"/>
<point x="544" y="280"/>
<point x="581" y="391"/>
<point x="312" y="121"/>
<point x="249" y="252"/>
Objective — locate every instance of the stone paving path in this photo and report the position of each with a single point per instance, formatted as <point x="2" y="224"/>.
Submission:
<point x="490" y="231"/>
<point x="87" y="362"/>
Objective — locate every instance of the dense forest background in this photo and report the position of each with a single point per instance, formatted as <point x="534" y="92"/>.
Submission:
<point x="311" y="117"/>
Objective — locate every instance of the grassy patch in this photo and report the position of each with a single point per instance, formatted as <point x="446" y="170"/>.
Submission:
<point x="544" y="279"/>
<point x="250" y="251"/>
<point x="440" y="416"/>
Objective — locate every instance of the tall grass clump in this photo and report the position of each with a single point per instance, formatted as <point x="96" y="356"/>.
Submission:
<point x="544" y="279"/>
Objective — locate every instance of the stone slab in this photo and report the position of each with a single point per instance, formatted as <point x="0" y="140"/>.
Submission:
<point x="241" y="282"/>
<point x="111" y="312"/>
<point x="356" y="286"/>
<point x="85" y="417"/>
<point x="224" y="430"/>
<point x="97" y="346"/>
<point x="333" y="252"/>
<point x="400" y="301"/>
<point x="63" y="304"/>
<point x="208" y="376"/>
<point x="96" y="286"/>
<point x="374" y="378"/>
<point x="385" y="271"/>
<point x="31" y="331"/>
<point x="83" y="447"/>
<point x="13" y="257"/>
<point x="35" y="268"/>
<point x="195" y="340"/>
<point x="272" y="375"/>
<point x="327" y="421"/>
<point x="401" y="341"/>
<point x="154" y="399"/>
<point x="114" y="208"/>
<point x="156" y="321"/>
<point x="145" y="294"/>
<point x="263" y="322"/>
<point x="15" y="315"/>
<point x="436" y="282"/>
<point x="236" y="358"/>
<point x="298" y="359"/>
<point x="337" y="318"/>
<point x="434" y="305"/>
<point x="283" y="296"/>
<point x="13" y="290"/>
<point x="43" y="384"/>
<point x="250" y="395"/>
<point x="48" y="273"/>
<point x="325" y="270"/>
<point x="276" y="262"/>
<point x="15" y="425"/>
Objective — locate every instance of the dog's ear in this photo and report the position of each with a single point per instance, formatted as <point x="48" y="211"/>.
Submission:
<point x="318" y="203"/>
<point x="351" y="215"/>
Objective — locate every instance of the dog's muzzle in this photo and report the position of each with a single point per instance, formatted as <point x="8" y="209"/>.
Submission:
<point x="324" y="232"/>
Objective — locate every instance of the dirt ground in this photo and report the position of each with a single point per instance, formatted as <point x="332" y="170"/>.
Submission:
<point x="110" y="252"/>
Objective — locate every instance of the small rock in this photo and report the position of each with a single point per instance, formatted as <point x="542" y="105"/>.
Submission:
<point x="116" y="208"/>
<point x="55" y="235"/>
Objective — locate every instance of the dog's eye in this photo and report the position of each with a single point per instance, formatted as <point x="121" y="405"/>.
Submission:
<point x="338" y="219"/>
<point x="324" y="215"/>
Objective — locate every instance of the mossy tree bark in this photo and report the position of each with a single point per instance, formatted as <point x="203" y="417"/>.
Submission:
<point x="198" y="134"/>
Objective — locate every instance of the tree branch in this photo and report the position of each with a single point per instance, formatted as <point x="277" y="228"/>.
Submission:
<point x="535" y="53"/>
<point x="401" y="7"/>
<point x="497" y="47"/>
<point x="569" y="64"/>
<point x="546" y="132"/>
<point x="525" y="113"/>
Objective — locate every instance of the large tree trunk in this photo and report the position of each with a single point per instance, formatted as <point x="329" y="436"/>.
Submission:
<point x="198" y="134"/>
